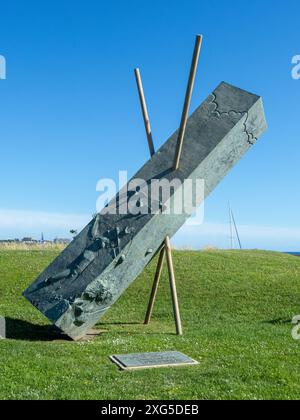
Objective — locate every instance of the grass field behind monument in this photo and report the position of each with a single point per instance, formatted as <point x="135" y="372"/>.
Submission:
<point x="236" y="311"/>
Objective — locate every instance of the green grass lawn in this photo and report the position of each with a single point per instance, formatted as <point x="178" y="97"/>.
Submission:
<point x="236" y="309"/>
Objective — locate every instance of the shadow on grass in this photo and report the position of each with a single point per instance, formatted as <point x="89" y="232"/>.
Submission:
<point x="279" y="321"/>
<point x="143" y="331"/>
<point x="17" y="329"/>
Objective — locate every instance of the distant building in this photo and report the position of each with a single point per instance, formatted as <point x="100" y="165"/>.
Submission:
<point x="61" y="241"/>
<point x="29" y="240"/>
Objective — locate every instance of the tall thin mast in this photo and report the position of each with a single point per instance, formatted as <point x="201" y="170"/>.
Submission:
<point x="230" y="226"/>
<point x="236" y="229"/>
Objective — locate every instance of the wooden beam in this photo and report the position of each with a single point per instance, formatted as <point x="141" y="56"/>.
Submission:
<point x="187" y="101"/>
<point x="155" y="286"/>
<point x="173" y="286"/>
<point x="144" y="111"/>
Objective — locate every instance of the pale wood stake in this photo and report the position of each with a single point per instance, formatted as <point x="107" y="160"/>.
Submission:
<point x="144" y="111"/>
<point x="166" y="249"/>
<point x="173" y="286"/>
<point x="187" y="101"/>
<point x="155" y="286"/>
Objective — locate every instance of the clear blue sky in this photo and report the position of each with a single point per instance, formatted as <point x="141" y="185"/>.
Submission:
<point x="70" y="113"/>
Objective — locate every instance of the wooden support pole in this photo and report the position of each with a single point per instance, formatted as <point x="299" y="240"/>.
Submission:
<point x="155" y="286"/>
<point x="144" y="111"/>
<point x="173" y="286"/>
<point x="187" y="101"/>
<point x="166" y="249"/>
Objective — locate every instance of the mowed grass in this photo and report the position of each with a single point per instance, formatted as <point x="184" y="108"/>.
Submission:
<point x="236" y="310"/>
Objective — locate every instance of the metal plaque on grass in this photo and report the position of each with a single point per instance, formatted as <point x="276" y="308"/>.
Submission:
<point x="152" y="360"/>
<point x="2" y="327"/>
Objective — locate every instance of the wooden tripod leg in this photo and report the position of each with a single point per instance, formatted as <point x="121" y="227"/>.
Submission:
<point x="144" y="111"/>
<point x="155" y="286"/>
<point x="173" y="286"/>
<point x="187" y="101"/>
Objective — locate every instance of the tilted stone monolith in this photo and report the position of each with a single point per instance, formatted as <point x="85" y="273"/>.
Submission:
<point x="91" y="274"/>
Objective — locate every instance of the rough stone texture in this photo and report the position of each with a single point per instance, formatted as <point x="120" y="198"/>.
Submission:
<point x="108" y="255"/>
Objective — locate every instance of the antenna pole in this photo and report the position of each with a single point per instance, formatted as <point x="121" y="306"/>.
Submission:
<point x="231" y="227"/>
<point x="236" y="230"/>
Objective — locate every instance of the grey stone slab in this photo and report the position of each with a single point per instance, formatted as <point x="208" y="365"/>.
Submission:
<point x="91" y="274"/>
<point x="152" y="360"/>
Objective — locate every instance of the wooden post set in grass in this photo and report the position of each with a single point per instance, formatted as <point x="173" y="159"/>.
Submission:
<point x="166" y="247"/>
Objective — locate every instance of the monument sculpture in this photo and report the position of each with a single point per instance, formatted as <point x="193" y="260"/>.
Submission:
<point x="89" y="276"/>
